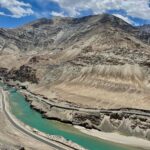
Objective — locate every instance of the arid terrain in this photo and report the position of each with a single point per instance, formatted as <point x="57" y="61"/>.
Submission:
<point x="13" y="139"/>
<point x="77" y="70"/>
<point x="95" y="61"/>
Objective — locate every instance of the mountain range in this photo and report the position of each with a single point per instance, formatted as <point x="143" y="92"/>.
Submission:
<point x="95" y="61"/>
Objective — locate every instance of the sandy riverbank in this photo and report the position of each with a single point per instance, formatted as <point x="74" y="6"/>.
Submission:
<point x="117" y="138"/>
<point x="57" y="141"/>
<point x="12" y="138"/>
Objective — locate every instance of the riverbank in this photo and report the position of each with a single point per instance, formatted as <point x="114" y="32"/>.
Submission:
<point x="57" y="142"/>
<point x="117" y="138"/>
<point x="128" y="122"/>
<point x="12" y="138"/>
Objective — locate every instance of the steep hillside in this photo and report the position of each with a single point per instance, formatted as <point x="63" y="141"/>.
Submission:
<point x="144" y="33"/>
<point x="95" y="61"/>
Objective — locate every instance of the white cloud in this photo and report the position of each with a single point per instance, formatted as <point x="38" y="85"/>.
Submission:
<point x="16" y="8"/>
<point x="2" y="14"/>
<point x="135" y="8"/>
<point x="126" y="19"/>
<point x="60" y="14"/>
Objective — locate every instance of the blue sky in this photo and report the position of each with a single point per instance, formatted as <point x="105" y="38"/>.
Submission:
<point x="14" y="13"/>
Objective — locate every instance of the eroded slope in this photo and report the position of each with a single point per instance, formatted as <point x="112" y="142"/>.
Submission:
<point x="96" y="61"/>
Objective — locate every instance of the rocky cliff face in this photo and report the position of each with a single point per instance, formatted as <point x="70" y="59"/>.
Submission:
<point x="144" y="33"/>
<point x="100" y="61"/>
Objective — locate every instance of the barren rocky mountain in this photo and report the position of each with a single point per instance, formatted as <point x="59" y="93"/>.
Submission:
<point x="96" y="61"/>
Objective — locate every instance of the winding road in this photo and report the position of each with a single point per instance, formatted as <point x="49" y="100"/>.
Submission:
<point x="22" y="129"/>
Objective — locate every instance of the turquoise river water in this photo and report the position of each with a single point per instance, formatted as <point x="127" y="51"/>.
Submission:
<point x="21" y="109"/>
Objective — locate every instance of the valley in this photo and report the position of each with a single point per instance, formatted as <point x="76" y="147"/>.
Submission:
<point x="91" y="71"/>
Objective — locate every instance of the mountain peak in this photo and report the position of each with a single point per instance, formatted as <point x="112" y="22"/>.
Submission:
<point x="103" y="19"/>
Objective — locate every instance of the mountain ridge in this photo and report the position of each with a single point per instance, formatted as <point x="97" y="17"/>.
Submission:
<point x="75" y="58"/>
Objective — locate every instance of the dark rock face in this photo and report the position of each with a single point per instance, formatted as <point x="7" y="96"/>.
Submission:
<point x="3" y="72"/>
<point x="82" y="117"/>
<point x="144" y="33"/>
<point x="24" y="73"/>
<point x="118" y="116"/>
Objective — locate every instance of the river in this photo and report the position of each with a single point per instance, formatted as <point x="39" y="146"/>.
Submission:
<point x="21" y="109"/>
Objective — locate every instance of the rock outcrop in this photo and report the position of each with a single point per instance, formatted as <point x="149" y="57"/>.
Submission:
<point x="11" y="147"/>
<point x="129" y="123"/>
